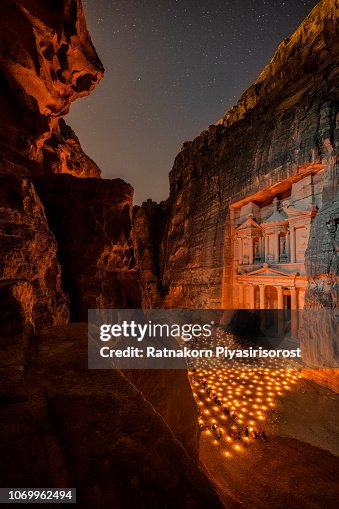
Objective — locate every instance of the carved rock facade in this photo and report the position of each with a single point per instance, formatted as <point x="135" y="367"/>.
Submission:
<point x="280" y="141"/>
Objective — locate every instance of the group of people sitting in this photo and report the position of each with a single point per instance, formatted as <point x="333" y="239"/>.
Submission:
<point x="240" y="434"/>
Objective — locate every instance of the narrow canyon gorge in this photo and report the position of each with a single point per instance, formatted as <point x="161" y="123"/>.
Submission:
<point x="251" y="222"/>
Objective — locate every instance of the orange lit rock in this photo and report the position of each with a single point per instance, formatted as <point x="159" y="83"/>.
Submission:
<point x="326" y="377"/>
<point x="281" y="129"/>
<point x="28" y="251"/>
<point x="47" y="61"/>
<point x="62" y="153"/>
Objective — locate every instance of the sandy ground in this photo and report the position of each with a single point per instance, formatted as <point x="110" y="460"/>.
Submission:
<point x="298" y="466"/>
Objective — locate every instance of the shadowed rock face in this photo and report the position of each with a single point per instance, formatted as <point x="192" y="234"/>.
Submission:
<point x="148" y="223"/>
<point x="306" y="53"/>
<point x="91" y="221"/>
<point x="16" y="326"/>
<point x="94" y="430"/>
<point x="47" y="60"/>
<point x="171" y="395"/>
<point x="28" y="251"/>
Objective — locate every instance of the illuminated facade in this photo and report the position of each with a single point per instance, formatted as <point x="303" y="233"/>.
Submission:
<point x="270" y="236"/>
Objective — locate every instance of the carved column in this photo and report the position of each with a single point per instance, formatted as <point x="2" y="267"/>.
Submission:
<point x="262" y="306"/>
<point x="261" y="249"/>
<point x="241" y="296"/>
<point x="240" y="250"/>
<point x="294" y="302"/>
<point x="266" y="247"/>
<point x="262" y="296"/>
<point x="292" y="244"/>
<point x="250" y="261"/>
<point x="288" y="251"/>
<point x="280" y="297"/>
<point x="252" y="300"/>
<point x="276" y="247"/>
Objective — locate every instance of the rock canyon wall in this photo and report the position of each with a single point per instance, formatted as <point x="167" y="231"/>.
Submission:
<point x="47" y="60"/>
<point x="284" y="127"/>
<point x="281" y="137"/>
<point x="71" y="241"/>
<point x="44" y="66"/>
<point x="92" y="223"/>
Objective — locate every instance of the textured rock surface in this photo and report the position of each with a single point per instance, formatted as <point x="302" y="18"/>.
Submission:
<point x="91" y="221"/>
<point x="92" y="429"/>
<point x="323" y="248"/>
<point x="307" y="52"/>
<point x="28" y="251"/>
<point x="61" y="424"/>
<point x="148" y="224"/>
<point x="16" y="327"/>
<point x="171" y="395"/>
<point x="46" y="61"/>
<point x="319" y="330"/>
<point x="62" y="153"/>
<point x="326" y="377"/>
<point x="282" y="127"/>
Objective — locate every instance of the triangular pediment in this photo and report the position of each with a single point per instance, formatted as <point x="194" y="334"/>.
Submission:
<point x="266" y="270"/>
<point x="250" y="223"/>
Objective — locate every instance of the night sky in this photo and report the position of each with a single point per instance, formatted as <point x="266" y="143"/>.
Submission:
<point x="173" y="67"/>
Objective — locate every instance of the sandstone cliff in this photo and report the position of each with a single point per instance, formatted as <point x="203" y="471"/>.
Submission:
<point x="148" y="224"/>
<point x="319" y="329"/>
<point x="47" y="60"/>
<point x="62" y="153"/>
<point x="92" y="223"/>
<point x="28" y="251"/>
<point x="63" y="234"/>
<point x="283" y="126"/>
<point x="16" y="326"/>
<point x="52" y="63"/>
<point x="295" y="65"/>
